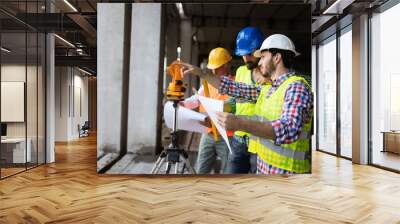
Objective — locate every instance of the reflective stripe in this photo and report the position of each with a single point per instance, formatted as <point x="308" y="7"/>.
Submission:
<point x="283" y="151"/>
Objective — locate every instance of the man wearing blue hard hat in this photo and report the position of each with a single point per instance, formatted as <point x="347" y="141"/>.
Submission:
<point x="248" y="41"/>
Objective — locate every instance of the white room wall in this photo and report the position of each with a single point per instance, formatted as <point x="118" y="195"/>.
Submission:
<point x="16" y="73"/>
<point x="68" y="83"/>
<point x="34" y="124"/>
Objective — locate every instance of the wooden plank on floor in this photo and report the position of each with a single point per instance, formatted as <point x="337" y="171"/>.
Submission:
<point x="71" y="191"/>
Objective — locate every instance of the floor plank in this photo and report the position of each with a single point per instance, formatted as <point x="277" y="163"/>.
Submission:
<point x="71" y="191"/>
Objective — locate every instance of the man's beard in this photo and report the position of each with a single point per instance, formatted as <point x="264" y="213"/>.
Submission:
<point x="252" y="64"/>
<point x="272" y="68"/>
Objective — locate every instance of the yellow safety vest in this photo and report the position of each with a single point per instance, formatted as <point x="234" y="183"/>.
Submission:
<point x="243" y="74"/>
<point x="294" y="157"/>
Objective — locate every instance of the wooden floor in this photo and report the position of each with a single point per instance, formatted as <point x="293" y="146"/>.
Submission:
<point x="70" y="191"/>
<point x="10" y="171"/>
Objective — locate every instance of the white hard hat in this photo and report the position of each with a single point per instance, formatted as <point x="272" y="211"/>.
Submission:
<point x="276" y="41"/>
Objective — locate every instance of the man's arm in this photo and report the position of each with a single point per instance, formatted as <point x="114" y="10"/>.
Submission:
<point x="210" y="78"/>
<point x="231" y="122"/>
<point x="225" y="85"/>
<point x="239" y="90"/>
<point x="297" y="110"/>
<point x="257" y="128"/>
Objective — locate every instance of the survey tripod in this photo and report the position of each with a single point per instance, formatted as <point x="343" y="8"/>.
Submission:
<point x="173" y="155"/>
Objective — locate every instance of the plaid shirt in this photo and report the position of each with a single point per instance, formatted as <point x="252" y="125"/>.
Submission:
<point x="297" y="109"/>
<point x="265" y="168"/>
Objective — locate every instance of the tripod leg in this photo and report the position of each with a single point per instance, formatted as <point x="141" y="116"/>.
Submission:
<point x="183" y="168"/>
<point x="156" y="164"/>
<point x="176" y="168"/>
<point x="187" y="164"/>
<point x="168" y="167"/>
<point x="160" y="165"/>
<point x="157" y="168"/>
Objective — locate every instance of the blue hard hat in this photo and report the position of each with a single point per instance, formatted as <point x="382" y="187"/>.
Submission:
<point x="248" y="40"/>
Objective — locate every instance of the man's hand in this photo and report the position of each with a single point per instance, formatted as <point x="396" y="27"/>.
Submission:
<point x="228" y="121"/>
<point x="188" y="69"/>
<point x="227" y="107"/>
<point x="206" y="122"/>
<point x="259" y="78"/>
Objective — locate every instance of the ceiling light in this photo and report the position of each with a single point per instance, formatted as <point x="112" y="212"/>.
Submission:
<point x="179" y="6"/>
<point x="84" y="71"/>
<point x="70" y="5"/>
<point x="5" y="50"/>
<point x="178" y="51"/>
<point x="65" y="41"/>
<point x="338" y="6"/>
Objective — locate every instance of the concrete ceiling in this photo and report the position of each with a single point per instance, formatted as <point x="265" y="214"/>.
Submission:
<point x="78" y="28"/>
<point x="217" y="25"/>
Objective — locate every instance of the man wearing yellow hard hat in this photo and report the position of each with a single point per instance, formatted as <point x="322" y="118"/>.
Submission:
<point x="282" y="120"/>
<point x="209" y="148"/>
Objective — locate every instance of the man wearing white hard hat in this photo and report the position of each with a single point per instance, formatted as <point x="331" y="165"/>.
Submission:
<point x="281" y="125"/>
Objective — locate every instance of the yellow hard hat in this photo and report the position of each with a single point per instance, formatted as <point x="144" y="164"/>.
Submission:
<point x="218" y="57"/>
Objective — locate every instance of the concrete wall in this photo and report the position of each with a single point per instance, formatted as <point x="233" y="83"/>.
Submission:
<point x="110" y="37"/>
<point x="144" y="77"/>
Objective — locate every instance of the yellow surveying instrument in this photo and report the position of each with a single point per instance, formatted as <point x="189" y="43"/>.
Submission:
<point x="174" y="155"/>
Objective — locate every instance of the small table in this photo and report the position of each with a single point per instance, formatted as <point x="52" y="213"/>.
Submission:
<point x="13" y="150"/>
<point x="391" y="141"/>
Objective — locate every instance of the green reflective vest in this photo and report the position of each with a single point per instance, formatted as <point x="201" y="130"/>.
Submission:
<point x="294" y="157"/>
<point x="243" y="74"/>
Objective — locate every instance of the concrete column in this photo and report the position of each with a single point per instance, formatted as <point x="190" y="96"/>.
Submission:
<point x="360" y="90"/>
<point x="50" y="92"/>
<point x="110" y="42"/>
<point x="145" y="77"/>
<point x="186" y="46"/>
<point x="314" y="89"/>
<point x="50" y="99"/>
<point x="172" y="38"/>
<point x="195" y="61"/>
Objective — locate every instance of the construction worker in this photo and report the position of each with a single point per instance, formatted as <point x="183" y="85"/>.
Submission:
<point x="281" y="124"/>
<point x="209" y="149"/>
<point x="248" y="40"/>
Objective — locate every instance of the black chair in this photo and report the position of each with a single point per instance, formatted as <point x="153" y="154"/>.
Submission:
<point x="84" y="130"/>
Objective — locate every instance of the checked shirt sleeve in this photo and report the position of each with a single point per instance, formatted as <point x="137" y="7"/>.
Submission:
<point x="297" y="110"/>
<point x="239" y="90"/>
